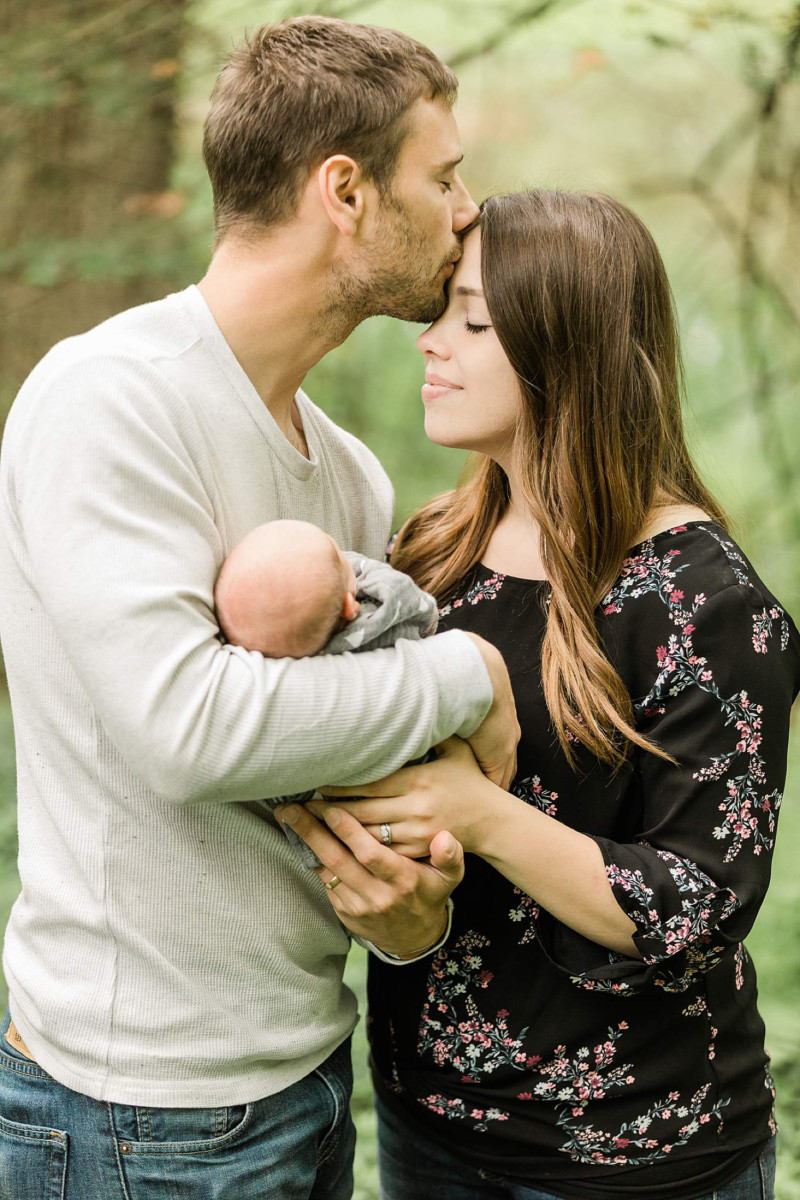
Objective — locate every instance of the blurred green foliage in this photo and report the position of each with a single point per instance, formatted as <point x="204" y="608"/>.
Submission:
<point x="661" y="102"/>
<point x="9" y="881"/>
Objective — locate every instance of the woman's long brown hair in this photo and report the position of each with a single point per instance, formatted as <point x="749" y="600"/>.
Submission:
<point x="580" y="301"/>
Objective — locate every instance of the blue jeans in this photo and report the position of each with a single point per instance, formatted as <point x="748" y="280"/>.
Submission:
<point x="411" y="1167"/>
<point x="56" y="1144"/>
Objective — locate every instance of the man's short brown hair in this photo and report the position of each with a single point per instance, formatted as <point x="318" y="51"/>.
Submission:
<point x="293" y="94"/>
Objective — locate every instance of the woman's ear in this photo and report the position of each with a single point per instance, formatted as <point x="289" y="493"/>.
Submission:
<point x="341" y="188"/>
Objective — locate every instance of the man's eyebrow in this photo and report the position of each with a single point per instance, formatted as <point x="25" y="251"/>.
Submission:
<point x="451" y="165"/>
<point x="465" y="291"/>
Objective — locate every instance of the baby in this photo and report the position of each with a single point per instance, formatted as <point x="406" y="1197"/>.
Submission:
<point x="288" y="591"/>
<point x="285" y="590"/>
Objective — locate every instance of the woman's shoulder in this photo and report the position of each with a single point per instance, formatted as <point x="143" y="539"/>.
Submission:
<point x="690" y="573"/>
<point x="700" y="549"/>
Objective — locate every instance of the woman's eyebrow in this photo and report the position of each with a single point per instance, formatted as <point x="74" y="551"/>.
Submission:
<point x="467" y="291"/>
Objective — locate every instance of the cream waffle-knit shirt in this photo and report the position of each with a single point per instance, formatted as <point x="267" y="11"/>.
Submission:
<point x="168" y="948"/>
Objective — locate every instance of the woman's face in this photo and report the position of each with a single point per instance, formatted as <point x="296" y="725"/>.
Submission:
<point x="471" y="394"/>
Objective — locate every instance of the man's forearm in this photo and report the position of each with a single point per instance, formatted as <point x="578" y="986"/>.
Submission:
<point x="241" y="727"/>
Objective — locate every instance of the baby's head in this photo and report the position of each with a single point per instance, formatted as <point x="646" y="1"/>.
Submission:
<point x="284" y="590"/>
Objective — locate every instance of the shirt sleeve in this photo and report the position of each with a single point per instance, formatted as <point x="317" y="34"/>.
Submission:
<point x="122" y="544"/>
<point x="694" y="875"/>
<point x="393" y="960"/>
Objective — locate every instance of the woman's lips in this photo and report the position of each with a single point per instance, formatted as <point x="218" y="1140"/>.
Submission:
<point x="435" y="387"/>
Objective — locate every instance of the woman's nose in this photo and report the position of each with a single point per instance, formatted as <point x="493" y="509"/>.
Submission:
<point x="432" y="342"/>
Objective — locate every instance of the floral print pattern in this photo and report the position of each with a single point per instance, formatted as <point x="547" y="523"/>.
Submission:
<point x="634" y="1143"/>
<point x="525" y="910"/>
<point x="532" y="792"/>
<point x="526" y="1039"/>
<point x="465" y="1040"/>
<point x="680" y="667"/>
<point x="486" y="589"/>
<point x="762" y="628"/>
<point x="577" y="1081"/>
<point x="456" y="1110"/>
<point x="642" y="573"/>
<point x="572" y="1081"/>
<point x="703" y="905"/>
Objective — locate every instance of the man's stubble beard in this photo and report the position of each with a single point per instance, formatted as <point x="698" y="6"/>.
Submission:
<point x="393" y="277"/>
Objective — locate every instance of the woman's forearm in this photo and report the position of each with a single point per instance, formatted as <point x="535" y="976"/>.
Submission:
<point x="560" y="868"/>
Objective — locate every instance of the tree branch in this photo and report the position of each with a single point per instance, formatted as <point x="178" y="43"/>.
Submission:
<point x="763" y="380"/>
<point x="516" y="21"/>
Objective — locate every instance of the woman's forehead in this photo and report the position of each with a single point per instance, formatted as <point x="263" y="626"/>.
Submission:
<point x="466" y="279"/>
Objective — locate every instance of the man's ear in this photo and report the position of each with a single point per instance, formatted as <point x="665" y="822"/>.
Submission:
<point x="341" y="188"/>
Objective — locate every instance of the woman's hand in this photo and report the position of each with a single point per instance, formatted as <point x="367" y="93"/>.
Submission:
<point x="450" y="793"/>
<point x="560" y="868"/>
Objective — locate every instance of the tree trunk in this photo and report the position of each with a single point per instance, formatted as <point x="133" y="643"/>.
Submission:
<point x="87" y="124"/>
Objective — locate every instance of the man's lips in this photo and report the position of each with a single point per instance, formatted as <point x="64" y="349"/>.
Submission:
<point x="452" y="263"/>
<point x="436" y="386"/>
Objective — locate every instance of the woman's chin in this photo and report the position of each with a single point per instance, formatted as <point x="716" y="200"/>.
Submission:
<point x="442" y="436"/>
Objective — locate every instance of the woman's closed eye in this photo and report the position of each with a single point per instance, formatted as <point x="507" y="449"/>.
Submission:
<point x="470" y="328"/>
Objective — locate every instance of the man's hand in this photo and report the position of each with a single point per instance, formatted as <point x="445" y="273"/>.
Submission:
<point x="397" y="903"/>
<point x="494" y="743"/>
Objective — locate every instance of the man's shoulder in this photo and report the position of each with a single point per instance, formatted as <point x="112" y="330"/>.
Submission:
<point x="129" y="352"/>
<point x="159" y="330"/>
<point x="122" y="382"/>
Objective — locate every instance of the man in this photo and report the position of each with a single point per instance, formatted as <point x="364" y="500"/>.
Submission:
<point x="179" y="1020"/>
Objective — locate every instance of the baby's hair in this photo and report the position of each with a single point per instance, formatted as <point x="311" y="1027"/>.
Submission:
<point x="281" y="615"/>
<point x="322" y="625"/>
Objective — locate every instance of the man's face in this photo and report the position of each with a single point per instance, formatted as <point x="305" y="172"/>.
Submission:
<point x="408" y="257"/>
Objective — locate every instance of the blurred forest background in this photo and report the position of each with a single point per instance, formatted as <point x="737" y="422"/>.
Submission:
<point x="688" y="110"/>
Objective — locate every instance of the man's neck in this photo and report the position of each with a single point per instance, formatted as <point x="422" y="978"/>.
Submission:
<point x="266" y="298"/>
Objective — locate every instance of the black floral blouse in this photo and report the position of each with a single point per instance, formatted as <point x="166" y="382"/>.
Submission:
<point x="541" y="1056"/>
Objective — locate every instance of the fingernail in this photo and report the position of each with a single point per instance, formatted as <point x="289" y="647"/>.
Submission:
<point x="449" y="847"/>
<point x="333" y="817"/>
<point x="290" y="814"/>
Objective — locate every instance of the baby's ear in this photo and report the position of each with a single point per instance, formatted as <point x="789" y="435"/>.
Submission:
<point x="351" y="607"/>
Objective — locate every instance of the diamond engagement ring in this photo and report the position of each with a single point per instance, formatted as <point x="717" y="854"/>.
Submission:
<point x="386" y="833"/>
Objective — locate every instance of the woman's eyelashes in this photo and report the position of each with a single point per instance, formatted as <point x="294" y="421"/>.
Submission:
<point x="470" y="328"/>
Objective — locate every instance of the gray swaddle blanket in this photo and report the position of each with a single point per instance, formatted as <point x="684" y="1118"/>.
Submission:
<point x="392" y="607"/>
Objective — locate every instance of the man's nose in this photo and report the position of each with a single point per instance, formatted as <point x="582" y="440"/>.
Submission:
<point x="465" y="210"/>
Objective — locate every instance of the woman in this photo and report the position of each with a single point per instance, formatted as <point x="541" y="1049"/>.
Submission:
<point x="590" y="1028"/>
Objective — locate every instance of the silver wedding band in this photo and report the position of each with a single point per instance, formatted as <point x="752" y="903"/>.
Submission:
<point x="386" y="833"/>
<point x="333" y="882"/>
